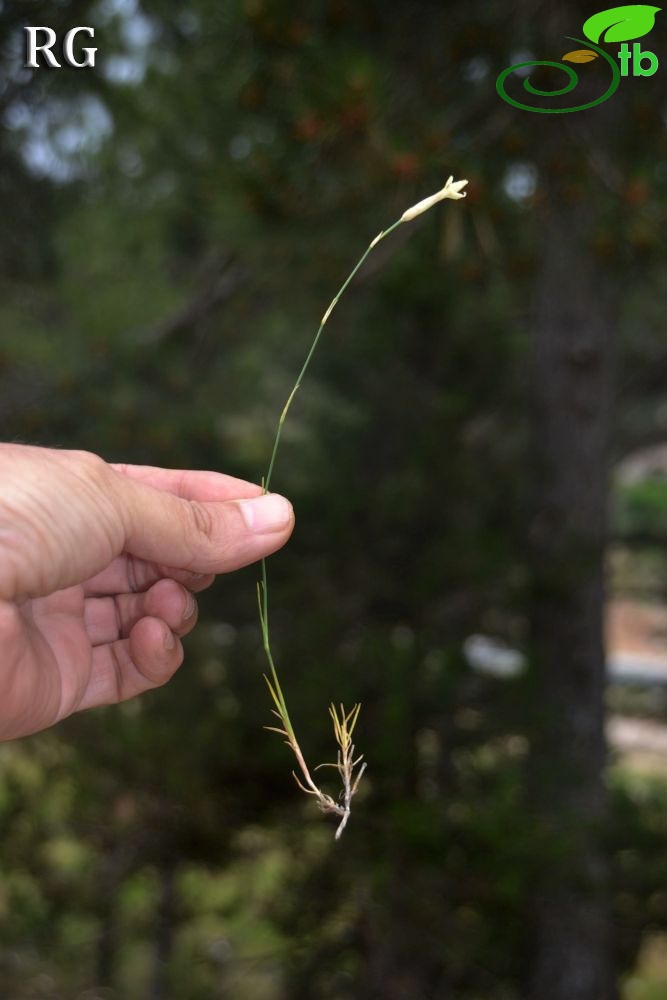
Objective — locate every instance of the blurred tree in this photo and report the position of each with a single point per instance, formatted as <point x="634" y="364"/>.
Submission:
<point x="572" y="390"/>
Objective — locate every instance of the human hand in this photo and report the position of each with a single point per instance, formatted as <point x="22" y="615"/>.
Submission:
<point x="98" y="567"/>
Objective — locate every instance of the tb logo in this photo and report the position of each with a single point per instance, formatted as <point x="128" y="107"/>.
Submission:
<point x="618" y="24"/>
<point x="637" y="57"/>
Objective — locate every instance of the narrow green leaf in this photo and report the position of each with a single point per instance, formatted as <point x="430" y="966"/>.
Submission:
<point x="273" y="694"/>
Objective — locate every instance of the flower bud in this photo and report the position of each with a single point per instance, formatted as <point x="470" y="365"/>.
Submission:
<point x="451" y="189"/>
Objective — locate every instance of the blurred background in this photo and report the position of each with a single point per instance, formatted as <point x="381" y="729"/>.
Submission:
<point x="477" y="459"/>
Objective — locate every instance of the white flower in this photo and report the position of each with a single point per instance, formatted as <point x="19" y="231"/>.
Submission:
<point x="451" y="189"/>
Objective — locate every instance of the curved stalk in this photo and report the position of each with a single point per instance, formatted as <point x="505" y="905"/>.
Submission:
<point x="350" y="769"/>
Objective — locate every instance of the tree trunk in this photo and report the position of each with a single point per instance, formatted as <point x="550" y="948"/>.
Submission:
<point x="570" y="954"/>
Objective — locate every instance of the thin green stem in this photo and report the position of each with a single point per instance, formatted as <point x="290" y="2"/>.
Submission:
<point x="273" y="682"/>
<point x="349" y="768"/>
<point x="313" y="347"/>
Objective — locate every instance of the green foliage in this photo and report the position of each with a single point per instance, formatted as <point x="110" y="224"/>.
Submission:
<point x="641" y="508"/>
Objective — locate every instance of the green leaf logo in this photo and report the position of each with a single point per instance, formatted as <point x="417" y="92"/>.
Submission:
<point x="621" y="24"/>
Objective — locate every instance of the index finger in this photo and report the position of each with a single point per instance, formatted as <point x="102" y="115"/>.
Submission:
<point x="190" y="484"/>
<point x="129" y="575"/>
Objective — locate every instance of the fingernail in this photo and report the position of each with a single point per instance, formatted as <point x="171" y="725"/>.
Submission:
<point x="267" y="513"/>
<point x="169" y="640"/>
<point x="190" y="606"/>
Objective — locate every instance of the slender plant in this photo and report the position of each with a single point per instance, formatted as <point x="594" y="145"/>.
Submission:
<point x="349" y="767"/>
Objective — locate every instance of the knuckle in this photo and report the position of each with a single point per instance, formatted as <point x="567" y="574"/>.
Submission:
<point x="203" y="521"/>
<point x="88" y="462"/>
<point x="96" y="488"/>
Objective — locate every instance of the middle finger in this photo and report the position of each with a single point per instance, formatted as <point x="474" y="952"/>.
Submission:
<point x="110" y="618"/>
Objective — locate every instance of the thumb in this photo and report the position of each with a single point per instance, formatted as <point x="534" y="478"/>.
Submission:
<point x="201" y="536"/>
